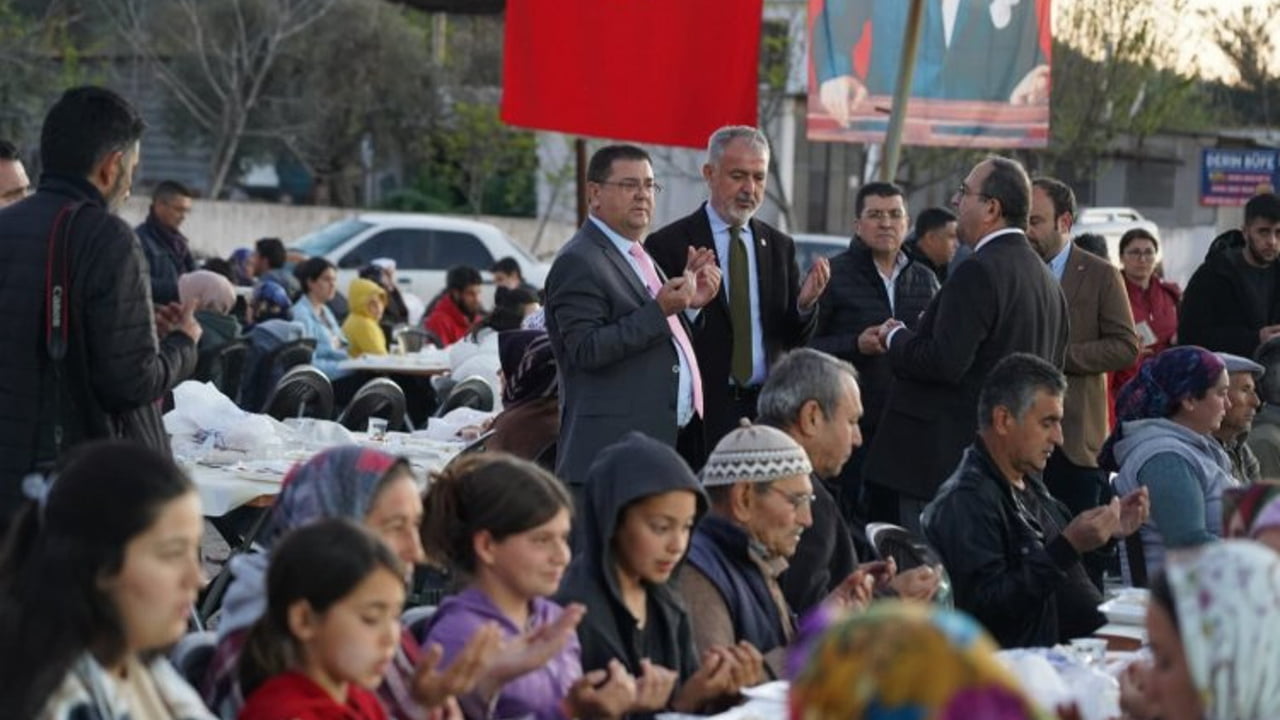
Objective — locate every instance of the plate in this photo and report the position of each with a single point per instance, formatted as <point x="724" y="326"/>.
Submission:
<point x="1124" y="611"/>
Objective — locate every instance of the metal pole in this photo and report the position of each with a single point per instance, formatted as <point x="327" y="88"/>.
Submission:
<point x="901" y="93"/>
<point x="580" y="150"/>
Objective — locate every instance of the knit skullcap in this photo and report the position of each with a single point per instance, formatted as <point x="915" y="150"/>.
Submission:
<point x="755" y="454"/>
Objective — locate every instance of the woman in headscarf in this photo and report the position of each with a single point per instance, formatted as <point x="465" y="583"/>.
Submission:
<point x="530" y="419"/>
<point x="366" y="486"/>
<point x="242" y="266"/>
<point x="906" y="660"/>
<point x="270" y="325"/>
<point x="1254" y="513"/>
<point x="214" y="297"/>
<point x="1214" y="629"/>
<point x="1162" y="441"/>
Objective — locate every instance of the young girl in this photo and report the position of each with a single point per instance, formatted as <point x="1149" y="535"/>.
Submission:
<point x="98" y="576"/>
<point x="334" y="596"/>
<point x="503" y="525"/>
<point x="643" y="502"/>
<point x="364" y="335"/>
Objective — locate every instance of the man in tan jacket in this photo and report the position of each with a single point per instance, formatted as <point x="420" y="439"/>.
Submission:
<point x="1101" y="339"/>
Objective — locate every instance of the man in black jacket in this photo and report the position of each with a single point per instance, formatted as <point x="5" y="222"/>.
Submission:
<point x="114" y="372"/>
<point x="1232" y="302"/>
<point x="933" y="240"/>
<point x="167" y="250"/>
<point x="1012" y="550"/>
<point x="814" y="398"/>
<point x="871" y="282"/>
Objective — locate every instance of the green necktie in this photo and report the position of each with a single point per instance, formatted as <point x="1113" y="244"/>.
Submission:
<point x="740" y="307"/>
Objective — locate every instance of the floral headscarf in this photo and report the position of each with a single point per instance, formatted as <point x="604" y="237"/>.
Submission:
<point x="1250" y="510"/>
<point x="900" y="660"/>
<point x="1228" y="608"/>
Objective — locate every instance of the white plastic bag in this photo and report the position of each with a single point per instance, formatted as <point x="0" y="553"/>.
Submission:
<point x="202" y="417"/>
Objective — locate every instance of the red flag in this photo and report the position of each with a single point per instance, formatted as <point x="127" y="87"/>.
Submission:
<point x="660" y="71"/>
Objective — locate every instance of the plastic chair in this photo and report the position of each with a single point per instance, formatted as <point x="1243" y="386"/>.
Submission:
<point x="292" y="354"/>
<point x="379" y="397"/>
<point x="304" y="391"/>
<point x="908" y="551"/>
<point x="475" y="392"/>
<point x="223" y="366"/>
<point x="415" y="619"/>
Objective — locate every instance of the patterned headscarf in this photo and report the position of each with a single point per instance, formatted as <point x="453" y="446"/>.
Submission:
<point x="1161" y="384"/>
<point x="240" y="265"/>
<point x="270" y="302"/>
<point x="1228" y="608"/>
<point x="338" y="482"/>
<point x="1250" y="510"/>
<point x="906" y="660"/>
<point x="528" y="366"/>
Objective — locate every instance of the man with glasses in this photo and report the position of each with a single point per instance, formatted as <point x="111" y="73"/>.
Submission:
<point x="14" y="183"/>
<point x="871" y="282"/>
<point x="1002" y="300"/>
<point x="1101" y="340"/>
<point x="167" y="250"/>
<point x="1232" y="303"/>
<point x="618" y="327"/>
<point x="766" y="308"/>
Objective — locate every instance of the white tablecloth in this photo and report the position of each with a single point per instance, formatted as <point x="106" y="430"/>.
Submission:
<point x="228" y="485"/>
<point x="427" y="362"/>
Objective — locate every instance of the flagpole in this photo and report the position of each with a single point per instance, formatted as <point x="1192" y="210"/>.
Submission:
<point x="580" y="151"/>
<point x="901" y="93"/>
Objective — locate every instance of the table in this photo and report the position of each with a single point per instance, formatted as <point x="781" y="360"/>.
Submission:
<point x="225" y="486"/>
<point x="422" y="365"/>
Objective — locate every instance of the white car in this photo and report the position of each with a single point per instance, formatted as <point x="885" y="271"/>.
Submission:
<point x="811" y="246"/>
<point x="423" y="246"/>
<point x="1111" y="223"/>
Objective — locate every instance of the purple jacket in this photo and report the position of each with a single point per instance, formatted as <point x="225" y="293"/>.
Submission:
<point x="536" y="694"/>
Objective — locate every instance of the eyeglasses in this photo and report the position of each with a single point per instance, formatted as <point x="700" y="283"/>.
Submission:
<point x="1140" y="253"/>
<point x="797" y="500"/>
<point x="964" y="190"/>
<point x="631" y="185"/>
<point x="879" y="215"/>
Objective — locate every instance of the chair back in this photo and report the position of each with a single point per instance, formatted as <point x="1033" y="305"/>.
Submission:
<point x="908" y="551"/>
<point x="304" y="391"/>
<point x="379" y="397"/>
<point x="475" y="392"/>
<point x="192" y="654"/>
<point x="224" y="367"/>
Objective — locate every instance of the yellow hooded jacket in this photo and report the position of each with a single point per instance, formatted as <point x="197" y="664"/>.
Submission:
<point x="364" y="335"/>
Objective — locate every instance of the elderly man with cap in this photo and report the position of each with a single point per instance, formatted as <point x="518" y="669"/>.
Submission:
<point x="1242" y="392"/>
<point x="758" y="481"/>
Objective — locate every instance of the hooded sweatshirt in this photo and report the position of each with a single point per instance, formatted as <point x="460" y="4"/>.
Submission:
<point x="364" y="334"/>
<point x="1223" y="307"/>
<point x="633" y="469"/>
<point x="295" y="696"/>
<point x="536" y="694"/>
<point x="1185" y="472"/>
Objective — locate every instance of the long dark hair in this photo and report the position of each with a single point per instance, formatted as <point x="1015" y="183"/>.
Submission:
<point x="486" y="491"/>
<point x="320" y="563"/>
<point x="52" y="605"/>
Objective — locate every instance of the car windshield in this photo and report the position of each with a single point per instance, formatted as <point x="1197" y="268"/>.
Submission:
<point x="324" y="240"/>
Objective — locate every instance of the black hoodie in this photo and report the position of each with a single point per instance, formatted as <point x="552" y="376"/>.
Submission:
<point x="634" y="468"/>
<point x="1221" y="310"/>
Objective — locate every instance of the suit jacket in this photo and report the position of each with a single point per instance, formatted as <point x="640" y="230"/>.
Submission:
<point x="1101" y="340"/>
<point x="780" y="321"/>
<point x="619" y="370"/>
<point x="1002" y="300"/>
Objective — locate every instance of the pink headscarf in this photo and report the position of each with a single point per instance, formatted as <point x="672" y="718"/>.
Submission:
<point x="208" y="289"/>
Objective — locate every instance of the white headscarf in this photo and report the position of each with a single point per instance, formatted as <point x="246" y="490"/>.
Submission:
<point x="1228" y="598"/>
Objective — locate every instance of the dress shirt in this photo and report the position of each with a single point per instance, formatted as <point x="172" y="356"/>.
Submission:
<point x="1058" y="263"/>
<point x="891" y="282"/>
<point x="720" y="233"/>
<point x="684" y="398"/>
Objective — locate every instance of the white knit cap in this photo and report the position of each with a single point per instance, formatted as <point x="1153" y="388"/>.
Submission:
<point x="754" y="454"/>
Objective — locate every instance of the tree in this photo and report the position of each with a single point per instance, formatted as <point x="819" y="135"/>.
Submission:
<point x="1245" y="38"/>
<point x="479" y="150"/>
<point x="37" y="58"/>
<point x="215" y="59"/>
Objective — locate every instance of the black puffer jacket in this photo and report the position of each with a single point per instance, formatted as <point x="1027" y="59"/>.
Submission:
<point x="856" y="299"/>
<point x="115" y="371"/>
<point x="1220" y="310"/>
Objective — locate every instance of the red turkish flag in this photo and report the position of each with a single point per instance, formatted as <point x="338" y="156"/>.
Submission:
<point x="658" y="71"/>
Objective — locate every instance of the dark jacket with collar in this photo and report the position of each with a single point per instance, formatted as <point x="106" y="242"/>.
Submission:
<point x="912" y="248"/>
<point x="168" y="256"/>
<point x="856" y="299"/>
<point x="781" y="324"/>
<point x="824" y="556"/>
<point x="115" y="370"/>
<point x="1220" y="310"/>
<point x="999" y="301"/>
<point x="1003" y="570"/>
<point x="636" y="468"/>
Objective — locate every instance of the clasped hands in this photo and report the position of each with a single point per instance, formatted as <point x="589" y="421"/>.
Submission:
<point x="875" y="339"/>
<point x="693" y="288"/>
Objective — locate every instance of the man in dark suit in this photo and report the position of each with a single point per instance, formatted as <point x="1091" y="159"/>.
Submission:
<point x="1002" y="300"/>
<point x="740" y="336"/>
<point x="969" y="50"/>
<point x="618" y="328"/>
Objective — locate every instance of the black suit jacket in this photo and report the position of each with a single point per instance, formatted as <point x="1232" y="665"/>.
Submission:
<point x="1000" y="301"/>
<point x="780" y="322"/>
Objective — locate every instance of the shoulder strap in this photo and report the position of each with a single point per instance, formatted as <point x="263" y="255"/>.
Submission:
<point x="58" y="306"/>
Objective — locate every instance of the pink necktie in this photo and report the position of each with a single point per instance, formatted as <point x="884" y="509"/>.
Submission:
<point x="677" y="330"/>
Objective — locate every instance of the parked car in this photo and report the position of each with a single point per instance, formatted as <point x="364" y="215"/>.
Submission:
<point x="811" y="246"/>
<point x="1111" y="223"/>
<point x="423" y="246"/>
